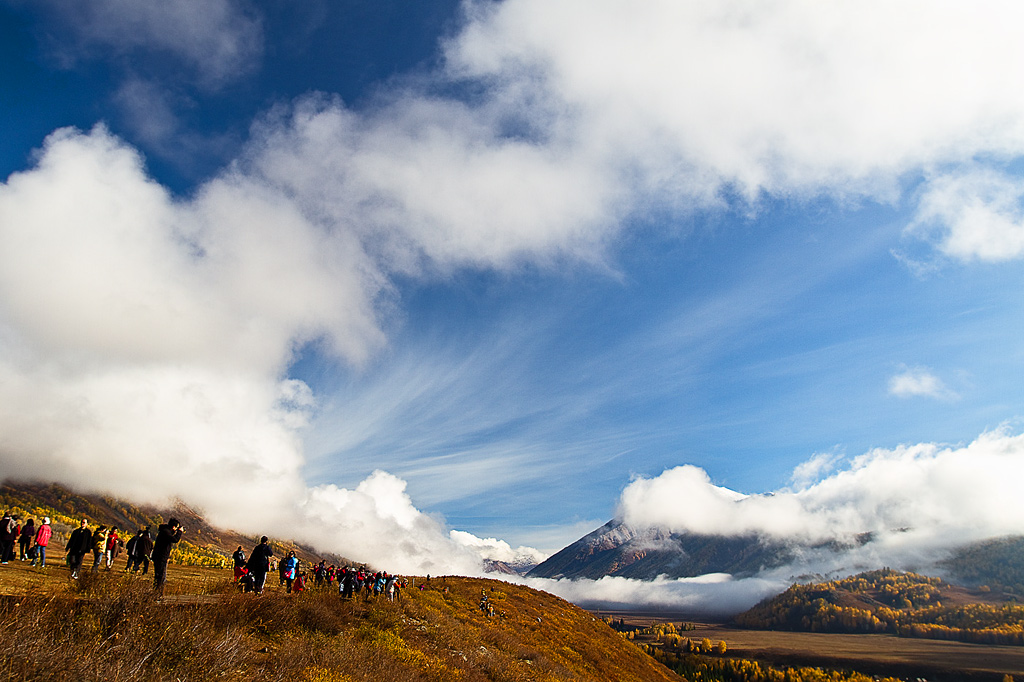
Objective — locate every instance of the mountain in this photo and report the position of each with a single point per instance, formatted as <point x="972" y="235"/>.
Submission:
<point x="619" y="549"/>
<point x="521" y="567"/>
<point x="996" y="564"/>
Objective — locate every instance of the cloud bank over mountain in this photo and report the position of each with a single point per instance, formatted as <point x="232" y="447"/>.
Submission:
<point x="913" y="500"/>
<point x="146" y="338"/>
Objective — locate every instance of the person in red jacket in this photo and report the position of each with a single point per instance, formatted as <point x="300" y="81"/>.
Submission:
<point x="42" y="540"/>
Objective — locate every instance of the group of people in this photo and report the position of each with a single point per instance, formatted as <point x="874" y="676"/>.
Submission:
<point x="251" y="575"/>
<point x="31" y="540"/>
<point x="105" y="544"/>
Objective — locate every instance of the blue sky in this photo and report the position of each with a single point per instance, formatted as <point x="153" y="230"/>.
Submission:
<point x="398" y="269"/>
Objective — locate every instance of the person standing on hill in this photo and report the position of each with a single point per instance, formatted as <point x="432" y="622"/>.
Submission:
<point x="143" y="550"/>
<point x="114" y="545"/>
<point x="79" y="543"/>
<point x="28" y="532"/>
<point x="42" y="540"/>
<point x="167" y="535"/>
<point x="239" y="563"/>
<point x="290" y="570"/>
<point x="99" y="546"/>
<point x="129" y="549"/>
<point x="259" y="564"/>
<point x="7" y="536"/>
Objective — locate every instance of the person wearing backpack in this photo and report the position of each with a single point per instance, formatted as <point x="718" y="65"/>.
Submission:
<point x="99" y="547"/>
<point x="259" y="564"/>
<point x="290" y="570"/>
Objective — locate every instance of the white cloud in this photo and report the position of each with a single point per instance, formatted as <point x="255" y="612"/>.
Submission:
<point x="775" y="96"/>
<point x="494" y="549"/>
<point x="710" y="595"/>
<point x="973" y="214"/>
<point x="920" y="496"/>
<point x="919" y="382"/>
<point x="814" y="468"/>
<point x="144" y="341"/>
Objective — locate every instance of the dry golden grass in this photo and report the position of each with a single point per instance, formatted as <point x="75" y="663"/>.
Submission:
<point x="111" y="626"/>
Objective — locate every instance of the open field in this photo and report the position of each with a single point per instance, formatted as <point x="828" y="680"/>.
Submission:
<point x="929" y="656"/>
<point x="874" y="654"/>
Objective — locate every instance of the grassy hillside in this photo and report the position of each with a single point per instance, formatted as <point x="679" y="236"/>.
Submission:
<point x="887" y="601"/>
<point x="109" y="626"/>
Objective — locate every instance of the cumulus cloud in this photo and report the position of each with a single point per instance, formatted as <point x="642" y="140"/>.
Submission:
<point x="924" y="495"/>
<point x="494" y="549"/>
<point x="973" y="214"/>
<point x="919" y="382"/>
<point x="144" y="344"/>
<point x="776" y="96"/>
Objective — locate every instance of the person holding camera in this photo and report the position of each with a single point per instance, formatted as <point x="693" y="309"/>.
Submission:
<point x="167" y="536"/>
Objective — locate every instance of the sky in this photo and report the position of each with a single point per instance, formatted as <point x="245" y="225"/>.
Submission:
<point x="426" y="282"/>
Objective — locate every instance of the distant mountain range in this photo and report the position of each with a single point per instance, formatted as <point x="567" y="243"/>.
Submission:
<point x="619" y="549"/>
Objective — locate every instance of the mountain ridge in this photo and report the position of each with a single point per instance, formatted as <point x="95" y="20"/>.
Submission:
<point x="619" y="549"/>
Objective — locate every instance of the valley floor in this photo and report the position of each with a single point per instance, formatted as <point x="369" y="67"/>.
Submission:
<point x="874" y="654"/>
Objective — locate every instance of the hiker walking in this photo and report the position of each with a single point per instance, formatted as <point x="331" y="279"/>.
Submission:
<point x="42" y="540"/>
<point x="28" y="532"/>
<point x="259" y="564"/>
<point x="114" y="545"/>
<point x="78" y="545"/>
<point x="99" y="546"/>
